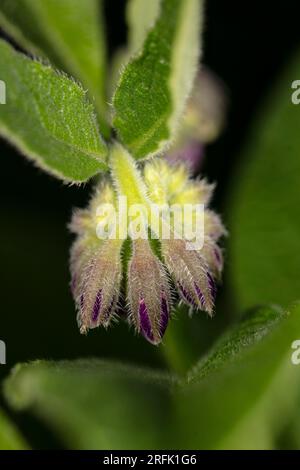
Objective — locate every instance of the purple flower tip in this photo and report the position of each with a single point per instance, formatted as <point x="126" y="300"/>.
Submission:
<point x="186" y="295"/>
<point x="97" y="306"/>
<point x="212" y="285"/>
<point x="200" y="295"/>
<point x="145" y="323"/>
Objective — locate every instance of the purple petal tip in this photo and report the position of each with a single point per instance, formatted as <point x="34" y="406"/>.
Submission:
<point x="200" y="295"/>
<point x="212" y="285"/>
<point x="186" y="295"/>
<point x="145" y="324"/>
<point x="97" y="306"/>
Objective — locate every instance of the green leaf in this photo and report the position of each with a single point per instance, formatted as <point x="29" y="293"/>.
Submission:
<point x="151" y="95"/>
<point x="95" y="404"/>
<point x="68" y="32"/>
<point x="264" y="210"/>
<point x="244" y="392"/>
<point x="10" y="439"/>
<point x="140" y="18"/>
<point x="49" y="119"/>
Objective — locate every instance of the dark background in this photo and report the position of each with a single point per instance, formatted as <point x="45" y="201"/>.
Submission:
<point x="246" y="44"/>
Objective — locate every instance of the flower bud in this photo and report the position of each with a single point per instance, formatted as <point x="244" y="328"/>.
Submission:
<point x="173" y="185"/>
<point x="148" y="292"/>
<point x="191" y="274"/>
<point x="96" y="265"/>
<point x="213" y="256"/>
<point x="213" y="226"/>
<point x="96" y="284"/>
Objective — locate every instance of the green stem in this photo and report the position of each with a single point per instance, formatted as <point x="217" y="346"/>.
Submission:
<point x="127" y="177"/>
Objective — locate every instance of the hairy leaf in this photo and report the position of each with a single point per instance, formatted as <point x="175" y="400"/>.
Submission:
<point x="152" y="91"/>
<point x="240" y="395"/>
<point x="68" y="32"/>
<point x="95" y="404"/>
<point x="140" y="18"/>
<point x="49" y="119"/>
<point x="244" y="392"/>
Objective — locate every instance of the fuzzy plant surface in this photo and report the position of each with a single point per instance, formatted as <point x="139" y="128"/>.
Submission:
<point x="136" y="129"/>
<point x="62" y="135"/>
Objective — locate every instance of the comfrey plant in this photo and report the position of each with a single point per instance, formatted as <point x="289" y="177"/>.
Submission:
<point x="155" y="114"/>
